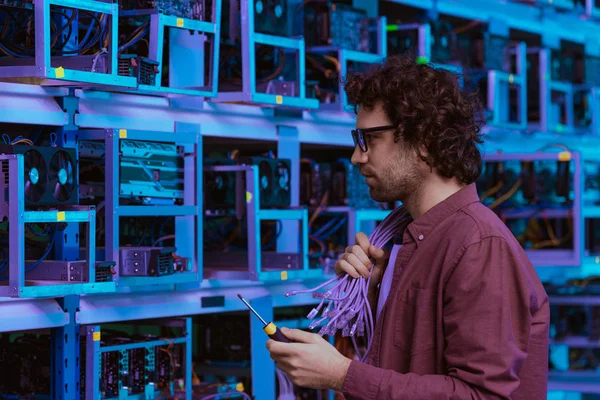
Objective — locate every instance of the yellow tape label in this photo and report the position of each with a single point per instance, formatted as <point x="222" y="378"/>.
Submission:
<point x="248" y="197"/>
<point x="122" y="133"/>
<point x="60" y="216"/>
<point x="511" y="78"/>
<point x="180" y="22"/>
<point x="59" y="72"/>
<point x="564" y="156"/>
<point x="97" y="336"/>
<point x="284" y="275"/>
<point x="279" y="99"/>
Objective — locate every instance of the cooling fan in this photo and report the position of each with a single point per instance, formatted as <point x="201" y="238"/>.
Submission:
<point x="50" y="174"/>
<point x="270" y="16"/>
<point x="265" y="181"/>
<point x="273" y="180"/>
<point x="219" y="187"/>
<point x="281" y="184"/>
<point x="36" y="175"/>
<point x="61" y="178"/>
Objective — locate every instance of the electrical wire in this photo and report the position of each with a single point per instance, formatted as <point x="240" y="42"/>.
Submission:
<point x="348" y="307"/>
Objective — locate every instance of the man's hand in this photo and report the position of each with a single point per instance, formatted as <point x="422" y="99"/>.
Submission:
<point x="309" y="361"/>
<point x="358" y="259"/>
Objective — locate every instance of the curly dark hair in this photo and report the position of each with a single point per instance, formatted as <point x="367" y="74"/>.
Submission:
<point x="428" y="108"/>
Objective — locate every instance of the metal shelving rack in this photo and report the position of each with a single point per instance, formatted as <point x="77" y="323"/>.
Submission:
<point x="187" y="216"/>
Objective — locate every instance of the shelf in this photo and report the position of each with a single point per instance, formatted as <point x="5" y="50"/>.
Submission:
<point x="135" y="306"/>
<point x="515" y="15"/>
<point x="31" y="104"/>
<point x="591" y="211"/>
<point x="583" y="382"/>
<point x="157" y="211"/>
<point x="21" y="315"/>
<point x="577" y="341"/>
<point x="574" y="300"/>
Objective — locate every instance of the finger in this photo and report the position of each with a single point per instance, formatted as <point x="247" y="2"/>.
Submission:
<point x="349" y="269"/>
<point x="358" y="265"/>
<point x="379" y="255"/>
<point x="362" y="255"/>
<point x="376" y="276"/>
<point x="279" y="349"/>
<point x="300" y="336"/>
<point x="363" y="241"/>
<point x="348" y="249"/>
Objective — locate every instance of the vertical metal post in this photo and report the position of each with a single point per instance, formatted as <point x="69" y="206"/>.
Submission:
<point x="42" y="37"/>
<point x="578" y="225"/>
<point x="65" y="354"/>
<point x="248" y="47"/>
<point x="111" y="235"/>
<point x="16" y="227"/>
<point x="66" y="242"/>
<point x="381" y="35"/>
<point x="252" y="197"/>
<point x="113" y="20"/>
<point x="93" y="362"/>
<point x="544" y="78"/>
<point x="595" y="106"/>
<point x="262" y="368"/>
<point x="157" y="38"/>
<point x="191" y="245"/>
<point x="216" y="47"/>
<point x="288" y="146"/>
<point x="522" y="71"/>
<point x="188" y="358"/>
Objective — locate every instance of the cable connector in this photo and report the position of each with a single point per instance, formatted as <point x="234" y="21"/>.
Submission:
<point x="313" y="313"/>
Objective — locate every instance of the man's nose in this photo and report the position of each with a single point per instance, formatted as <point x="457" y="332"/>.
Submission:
<point x="359" y="156"/>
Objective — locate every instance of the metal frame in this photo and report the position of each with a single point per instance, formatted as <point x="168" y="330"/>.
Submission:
<point x="545" y="258"/>
<point x="43" y="68"/>
<point x="499" y="83"/>
<point x="158" y="23"/>
<point x="93" y="362"/>
<point x="595" y="106"/>
<point x="254" y="216"/>
<point x="188" y="216"/>
<point x="250" y="38"/>
<point x="559" y="4"/>
<point x="18" y="217"/>
<point x="548" y="111"/>
<point x="344" y="56"/>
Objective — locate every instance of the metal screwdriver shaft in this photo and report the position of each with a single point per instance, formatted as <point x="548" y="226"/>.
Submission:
<point x="270" y="328"/>
<point x="252" y="309"/>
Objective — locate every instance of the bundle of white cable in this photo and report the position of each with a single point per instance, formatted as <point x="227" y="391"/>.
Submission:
<point x="347" y="307"/>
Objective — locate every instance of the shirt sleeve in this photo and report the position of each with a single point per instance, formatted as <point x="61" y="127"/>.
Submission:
<point x="487" y="319"/>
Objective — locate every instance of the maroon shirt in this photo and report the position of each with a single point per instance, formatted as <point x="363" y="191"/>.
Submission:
<point x="466" y="318"/>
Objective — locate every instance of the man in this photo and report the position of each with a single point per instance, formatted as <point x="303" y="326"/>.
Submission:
<point x="461" y="313"/>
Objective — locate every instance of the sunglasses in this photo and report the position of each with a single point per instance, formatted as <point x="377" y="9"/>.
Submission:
<point x="358" y="135"/>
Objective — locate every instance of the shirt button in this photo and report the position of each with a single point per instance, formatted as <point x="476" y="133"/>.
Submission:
<point x="421" y="237"/>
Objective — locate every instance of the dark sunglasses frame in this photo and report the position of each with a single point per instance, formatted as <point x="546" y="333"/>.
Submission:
<point x="358" y="135"/>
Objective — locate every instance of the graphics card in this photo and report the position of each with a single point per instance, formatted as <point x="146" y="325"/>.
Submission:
<point x="146" y="169"/>
<point x="50" y="174"/>
<point x="191" y="9"/>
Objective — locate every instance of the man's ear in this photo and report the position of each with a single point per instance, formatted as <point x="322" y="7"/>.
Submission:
<point x="422" y="153"/>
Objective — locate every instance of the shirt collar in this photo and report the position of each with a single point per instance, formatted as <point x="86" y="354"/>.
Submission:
<point x="419" y="229"/>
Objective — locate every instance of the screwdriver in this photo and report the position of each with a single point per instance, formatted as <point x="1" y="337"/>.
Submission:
<point x="270" y="328"/>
